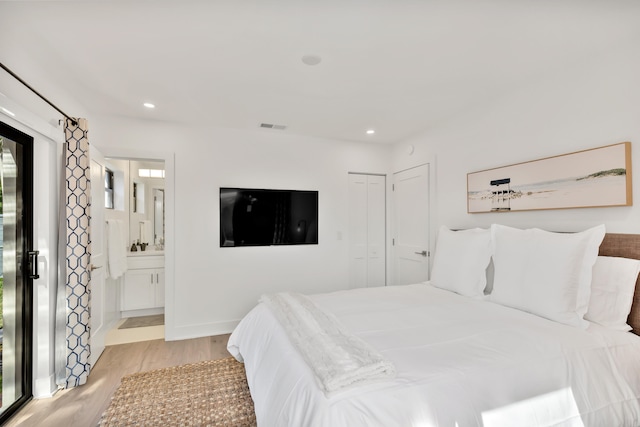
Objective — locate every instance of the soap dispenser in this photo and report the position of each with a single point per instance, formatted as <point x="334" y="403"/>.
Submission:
<point x="134" y="248"/>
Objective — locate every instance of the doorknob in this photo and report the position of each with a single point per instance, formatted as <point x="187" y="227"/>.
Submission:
<point x="423" y="253"/>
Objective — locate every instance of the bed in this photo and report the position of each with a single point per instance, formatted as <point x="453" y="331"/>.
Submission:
<point x="464" y="352"/>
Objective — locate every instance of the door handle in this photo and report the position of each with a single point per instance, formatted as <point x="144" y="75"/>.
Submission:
<point x="94" y="267"/>
<point x="423" y="253"/>
<point x="33" y="264"/>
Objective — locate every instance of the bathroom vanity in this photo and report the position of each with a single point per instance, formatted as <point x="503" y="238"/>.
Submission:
<point x="143" y="285"/>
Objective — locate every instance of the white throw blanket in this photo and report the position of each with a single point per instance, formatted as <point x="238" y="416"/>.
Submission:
<point x="338" y="358"/>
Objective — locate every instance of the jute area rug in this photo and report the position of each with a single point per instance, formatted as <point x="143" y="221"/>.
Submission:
<point x="211" y="393"/>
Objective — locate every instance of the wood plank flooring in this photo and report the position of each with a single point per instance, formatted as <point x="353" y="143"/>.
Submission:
<point x="82" y="406"/>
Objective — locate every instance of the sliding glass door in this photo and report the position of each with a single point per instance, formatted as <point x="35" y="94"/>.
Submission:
<point x="18" y="268"/>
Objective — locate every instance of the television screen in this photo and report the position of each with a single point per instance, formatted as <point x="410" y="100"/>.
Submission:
<point x="254" y="217"/>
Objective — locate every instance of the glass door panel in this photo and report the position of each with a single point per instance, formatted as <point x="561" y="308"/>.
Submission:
<point x="15" y="274"/>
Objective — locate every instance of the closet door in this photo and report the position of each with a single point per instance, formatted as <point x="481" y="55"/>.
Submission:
<point x="367" y="230"/>
<point x="376" y="230"/>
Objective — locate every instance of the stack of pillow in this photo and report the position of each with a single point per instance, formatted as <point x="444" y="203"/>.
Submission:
<point x="558" y="276"/>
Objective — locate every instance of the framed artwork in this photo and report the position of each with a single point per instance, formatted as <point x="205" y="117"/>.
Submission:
<point x="590" y="178"/>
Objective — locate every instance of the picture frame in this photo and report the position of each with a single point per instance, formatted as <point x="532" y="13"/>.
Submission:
<point x="597" y="177"/>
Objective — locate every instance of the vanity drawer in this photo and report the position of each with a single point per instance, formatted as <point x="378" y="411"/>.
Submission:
<point x="152" y="261"/>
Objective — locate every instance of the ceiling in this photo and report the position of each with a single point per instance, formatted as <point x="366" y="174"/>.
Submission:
<point x="395" y="66"/>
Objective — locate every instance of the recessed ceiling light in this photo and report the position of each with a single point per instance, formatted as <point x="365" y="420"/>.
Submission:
<point x="311" y="59"/>
<point x="149" y="105"/>
<point x="370" y="132"/>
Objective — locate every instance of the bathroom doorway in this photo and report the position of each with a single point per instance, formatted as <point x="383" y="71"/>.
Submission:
<point x="139" y="204"/>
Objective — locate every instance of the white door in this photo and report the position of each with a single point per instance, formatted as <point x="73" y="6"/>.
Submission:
<point x="367" y="235"/>
<point x="98" y="257"/>
<point x="376" y="230"/>
<point x="411" y="225"/>
<point x="357" y="231"/>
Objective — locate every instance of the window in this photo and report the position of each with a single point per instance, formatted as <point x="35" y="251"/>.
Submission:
<point x="108" y="189"/>
<point x="151" y="173"/>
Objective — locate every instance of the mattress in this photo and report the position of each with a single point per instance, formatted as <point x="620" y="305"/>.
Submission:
<point x="459" y="362"/>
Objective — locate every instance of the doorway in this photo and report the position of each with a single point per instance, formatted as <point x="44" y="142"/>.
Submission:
<point x="18" y="268"/>
<point x="139" y="204"/>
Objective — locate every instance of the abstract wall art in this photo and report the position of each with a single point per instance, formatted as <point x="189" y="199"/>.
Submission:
<point x="590" y="178"/>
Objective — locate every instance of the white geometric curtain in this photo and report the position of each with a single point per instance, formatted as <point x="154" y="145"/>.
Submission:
<point x="75" y="296"/>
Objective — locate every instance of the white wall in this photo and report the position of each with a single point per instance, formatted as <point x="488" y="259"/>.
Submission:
<point x="592" y="104"/>
<point x="214" y="287"/>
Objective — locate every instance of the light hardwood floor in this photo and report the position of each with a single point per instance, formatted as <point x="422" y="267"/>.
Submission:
<point x="82" y="406"/>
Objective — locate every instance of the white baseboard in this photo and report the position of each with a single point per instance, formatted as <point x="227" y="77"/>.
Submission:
<point x="198" y="331"/>
<point x="45" y="387"/>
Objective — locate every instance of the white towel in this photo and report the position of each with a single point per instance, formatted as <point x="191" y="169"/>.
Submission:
<point x="116" y="249"/>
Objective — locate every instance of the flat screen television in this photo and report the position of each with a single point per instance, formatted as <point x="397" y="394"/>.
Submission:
<point x="255" y="217"/>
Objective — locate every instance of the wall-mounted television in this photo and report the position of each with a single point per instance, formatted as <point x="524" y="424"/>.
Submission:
<point x="257" y="217"/>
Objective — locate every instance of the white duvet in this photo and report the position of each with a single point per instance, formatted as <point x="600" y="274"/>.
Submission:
<point x="459" y="362"/>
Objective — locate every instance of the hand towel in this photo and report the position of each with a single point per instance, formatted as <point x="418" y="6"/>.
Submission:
<point x="116" y="249"/>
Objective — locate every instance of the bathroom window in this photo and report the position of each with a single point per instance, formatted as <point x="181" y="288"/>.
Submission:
<point x="108" y="189"/>
<point x="151" y="173"/>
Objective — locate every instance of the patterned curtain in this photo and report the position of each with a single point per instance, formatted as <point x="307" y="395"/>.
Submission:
<point x="75" y="295"/>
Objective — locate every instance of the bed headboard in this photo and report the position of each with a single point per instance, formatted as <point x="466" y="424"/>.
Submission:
<point x="627" y="246"/>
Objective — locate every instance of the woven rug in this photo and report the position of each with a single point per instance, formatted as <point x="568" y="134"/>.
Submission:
<point x="211" y="393"/>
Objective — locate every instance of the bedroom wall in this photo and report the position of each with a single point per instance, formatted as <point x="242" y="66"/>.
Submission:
<point x="215" y="287"/>
<point x="591" y="104"/>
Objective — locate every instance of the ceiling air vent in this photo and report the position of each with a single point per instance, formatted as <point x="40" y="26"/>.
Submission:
<point x="272" y="126"/>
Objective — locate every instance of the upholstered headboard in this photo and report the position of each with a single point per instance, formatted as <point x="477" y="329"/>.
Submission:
<point x="626" y="246"/>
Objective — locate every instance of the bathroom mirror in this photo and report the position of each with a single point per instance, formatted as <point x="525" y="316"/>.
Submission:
<point x="138" y="199"/>
<point x="146" y="213"/>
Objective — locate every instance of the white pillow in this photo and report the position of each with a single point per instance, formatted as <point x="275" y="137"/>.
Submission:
<point x="545" y="273"/>
<point x="460" y="261"/>
<point x="612" y="288"/>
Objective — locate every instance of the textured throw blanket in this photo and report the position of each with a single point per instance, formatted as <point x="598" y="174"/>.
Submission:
<point x="338" y="358"/>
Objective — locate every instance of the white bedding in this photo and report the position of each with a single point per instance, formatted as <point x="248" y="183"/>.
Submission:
<point x="338" y="358"/>
<point x="459" y="362"/>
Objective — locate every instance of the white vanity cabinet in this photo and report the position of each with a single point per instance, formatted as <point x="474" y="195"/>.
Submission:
<point x="143" y="285"/>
